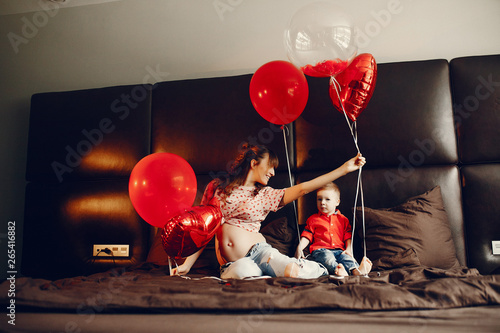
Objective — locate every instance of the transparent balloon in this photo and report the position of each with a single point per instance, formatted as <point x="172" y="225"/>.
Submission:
<point x="321" y="39"/>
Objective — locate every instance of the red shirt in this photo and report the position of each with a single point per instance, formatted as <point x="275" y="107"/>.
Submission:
<point x="329" y="232"/>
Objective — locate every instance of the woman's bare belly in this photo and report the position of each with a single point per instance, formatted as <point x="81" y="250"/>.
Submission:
<point x="234" y="243"/>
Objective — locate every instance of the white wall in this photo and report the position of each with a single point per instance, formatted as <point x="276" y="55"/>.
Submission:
<point x="123" y="42"/>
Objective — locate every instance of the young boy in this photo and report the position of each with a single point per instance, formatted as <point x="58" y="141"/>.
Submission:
<point x="329" y="233"/>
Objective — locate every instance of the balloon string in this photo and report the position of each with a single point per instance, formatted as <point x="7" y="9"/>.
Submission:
<point x="360" y="180"/>
<point x="359" y="191"/>
<point x="359" y="186"/>
<point x="362" y="213"/>
<point x="337" y="90"/>
<point x="170" y="265"/>
<point x="187" y="277"/>
<point x="291" y="182"/>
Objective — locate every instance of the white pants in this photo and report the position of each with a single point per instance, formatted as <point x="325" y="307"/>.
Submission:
<point x="263" y="259"/>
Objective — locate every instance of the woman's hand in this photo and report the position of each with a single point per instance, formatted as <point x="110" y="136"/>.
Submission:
<point x="355" y="163"/>
<point x="299" y="254"/>
<point x="180" y="270"/>
<point x="187" y="264"/>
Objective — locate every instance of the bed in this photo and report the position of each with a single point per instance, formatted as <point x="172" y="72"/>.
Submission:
<point x="428" y="219"/>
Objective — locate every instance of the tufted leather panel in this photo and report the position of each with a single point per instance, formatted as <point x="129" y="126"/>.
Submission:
<point x="88" y="134"/>
<point x="408" y="122"/>
<point x="206" y="120"/>
<point x="380" y="192"/>
<point x="63" y="222"/>
<point x="481" y="193"/>
<point x="82" y="147"/>
<point x="476" y="100"/>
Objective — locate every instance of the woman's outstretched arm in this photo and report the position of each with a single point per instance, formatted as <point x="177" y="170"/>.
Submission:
<point x="295" y="192"/>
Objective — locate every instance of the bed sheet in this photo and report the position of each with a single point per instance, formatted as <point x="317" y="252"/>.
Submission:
<point x="149" y="288"/>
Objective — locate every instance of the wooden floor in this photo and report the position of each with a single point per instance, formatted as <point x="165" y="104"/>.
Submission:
<point x="473" y="319"/>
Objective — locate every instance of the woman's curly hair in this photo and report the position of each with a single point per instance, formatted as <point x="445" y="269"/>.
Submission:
<point x="241" y="166"/>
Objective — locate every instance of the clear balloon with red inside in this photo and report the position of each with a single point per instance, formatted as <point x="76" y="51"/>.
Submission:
<point x="321" y="39"/>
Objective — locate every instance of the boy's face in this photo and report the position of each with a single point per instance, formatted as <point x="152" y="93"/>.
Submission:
<point x="327" y="201"/>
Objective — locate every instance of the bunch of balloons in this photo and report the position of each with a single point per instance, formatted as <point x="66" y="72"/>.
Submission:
<point x="162" y="188"/>
<point x="320" y="41"/>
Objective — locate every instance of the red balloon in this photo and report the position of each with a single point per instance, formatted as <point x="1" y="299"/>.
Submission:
<point x="357" y="83"/>
<point x="188" y="232"/>
<point x="279" y="92"/>
<point x="160" y="186"/>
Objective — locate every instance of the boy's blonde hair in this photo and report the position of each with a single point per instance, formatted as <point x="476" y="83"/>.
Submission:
<point x="329" y="186"/>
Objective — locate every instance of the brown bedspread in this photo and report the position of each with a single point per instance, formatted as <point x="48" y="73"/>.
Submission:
<point x="148" y="288"/>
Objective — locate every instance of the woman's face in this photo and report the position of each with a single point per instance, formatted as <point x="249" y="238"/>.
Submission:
<point x="263" y="171"/>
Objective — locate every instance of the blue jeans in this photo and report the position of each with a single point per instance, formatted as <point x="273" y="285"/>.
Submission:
<point x="331" y="258"/>
<point x="263" y="259"/>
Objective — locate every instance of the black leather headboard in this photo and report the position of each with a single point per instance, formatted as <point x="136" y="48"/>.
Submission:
<point x="476" y="100"/>
<point x="414" y="133"/>
<point x="82" y="147"/>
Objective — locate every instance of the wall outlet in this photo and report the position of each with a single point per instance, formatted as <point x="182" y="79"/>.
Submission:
<point x="496" y="247"/>
<point x="115" y="250"/>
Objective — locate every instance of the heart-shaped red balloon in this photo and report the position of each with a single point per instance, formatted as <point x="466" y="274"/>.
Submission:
<point x="356" y="84"/>
<point x="188" y="232"/>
